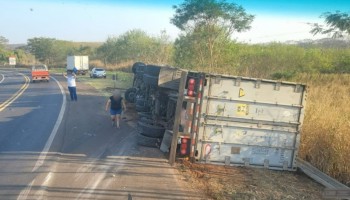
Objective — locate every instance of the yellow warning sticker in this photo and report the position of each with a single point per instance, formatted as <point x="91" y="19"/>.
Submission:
<point x="241" y="92"/>
<point x="242" y="109"/>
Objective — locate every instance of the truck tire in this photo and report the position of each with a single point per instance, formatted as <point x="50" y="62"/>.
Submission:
<point x="152" y="70"/>
<point x="138" y="67"/>
<point x="144" y="114"/>
<point x="150" y="80"/>
<point x="148" y="141"/>
<point x="139" y="108"/>
<point x="146" y="120"/>
<point x="140" y="102"/>
<point x="151" y="129"/>
<point x="130" y="95"/>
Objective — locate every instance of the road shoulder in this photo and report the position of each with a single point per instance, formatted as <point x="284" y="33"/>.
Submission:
<point x="101" y="162"/>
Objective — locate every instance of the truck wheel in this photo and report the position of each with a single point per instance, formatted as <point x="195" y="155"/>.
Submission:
<point x="152" y="70"/>
<point x="141" y="102"/>
<point x="145" y="120"/>
<point x="151" y="129"/>
<point x="139" y="108"/>
<point x="130" y="95"/>
<point x="148" y="141"/>
<point x="144" y="114"/>
<point x="138" y="67"/>
<point x="33" y="81"/>
<point x="150" y="80"/>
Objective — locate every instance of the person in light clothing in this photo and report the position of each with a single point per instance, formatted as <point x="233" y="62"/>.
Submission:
<point x="72" y="86"/>
<point x="116" y="105"/>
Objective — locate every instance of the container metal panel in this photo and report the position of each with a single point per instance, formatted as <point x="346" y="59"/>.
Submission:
<point x="250" y="122"/>
<point x="249" y="136"/>
<point x="274" y="158"/>
<point x="79" y="62"/>
<point x="287" y="94"/>
<point x="85" y="63"/>
<point x="256" y="111"/>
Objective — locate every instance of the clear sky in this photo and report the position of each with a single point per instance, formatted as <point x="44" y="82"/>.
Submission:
<point x="95" y="20"/>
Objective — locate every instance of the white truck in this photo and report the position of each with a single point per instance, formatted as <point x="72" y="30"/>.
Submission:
<point x="80" y="63"/>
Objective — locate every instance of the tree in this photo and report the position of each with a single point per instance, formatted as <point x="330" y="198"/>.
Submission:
<point x="211" y="23"/>
<point x="136" y="45"/>
<point x="3" y="41"/>
<point x="50" y="50"/>
<point x="192" y="50"/>
<point x="337" y="25"/>
<point x="106" y="50"/>
<point x="23" y="57"/>
<point x="3" y="52"/>
<point x="43" y="49"/>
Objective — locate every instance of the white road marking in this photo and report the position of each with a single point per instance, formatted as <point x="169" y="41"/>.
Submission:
<point x="3" y="78"/>
<point x="24" y="193"/>
<point x="44" y="152"/>
<point x="17" y="94"/>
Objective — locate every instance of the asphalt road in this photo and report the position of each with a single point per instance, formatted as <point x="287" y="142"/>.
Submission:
<point x="28" y="121"/>
<point x="86" y="158"/>
<point x="28" y="113"/>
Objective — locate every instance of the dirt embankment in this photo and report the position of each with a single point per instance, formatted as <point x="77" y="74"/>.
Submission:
<point x="220" y="182"/>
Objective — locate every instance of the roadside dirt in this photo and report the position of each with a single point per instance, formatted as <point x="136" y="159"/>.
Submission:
<point x="221" y="182"/>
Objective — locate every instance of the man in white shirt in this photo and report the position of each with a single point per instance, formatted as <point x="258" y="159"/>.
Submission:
<point x="72" y="87"/>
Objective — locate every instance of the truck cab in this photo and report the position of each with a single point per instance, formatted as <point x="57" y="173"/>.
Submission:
<point x="40" y="72"/>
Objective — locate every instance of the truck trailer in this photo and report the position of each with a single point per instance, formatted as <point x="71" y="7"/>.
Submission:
<point x="79" y="64"/>
<point x="228" y="120"/>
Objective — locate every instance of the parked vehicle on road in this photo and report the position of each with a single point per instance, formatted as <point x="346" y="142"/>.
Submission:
<point x="230" y="120"/>
<point x="98" y="73"/>
<point x="78" y="64"/>
<point x="40" y="72"/>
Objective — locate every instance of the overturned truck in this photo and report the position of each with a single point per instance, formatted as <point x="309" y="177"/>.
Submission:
<point x="219" y="119"/>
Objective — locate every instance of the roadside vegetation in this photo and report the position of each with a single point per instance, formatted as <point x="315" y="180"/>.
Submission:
<point x="106" y="86"/>
<point x="206" y="44"/>
<point x="326" y="129"/>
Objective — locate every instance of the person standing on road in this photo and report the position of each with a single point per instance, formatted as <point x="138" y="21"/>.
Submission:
<point x="72" y="86"/>
<point x="116" y="105"/>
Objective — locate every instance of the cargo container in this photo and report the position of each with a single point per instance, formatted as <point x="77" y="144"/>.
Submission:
<point x="79" y="64"/>
<point x="245" y="121"/>
<point x="228" y="120"/>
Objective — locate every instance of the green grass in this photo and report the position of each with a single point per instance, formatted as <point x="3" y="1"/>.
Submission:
<point x="57" y="70"/>
<point x="107" y="85"/>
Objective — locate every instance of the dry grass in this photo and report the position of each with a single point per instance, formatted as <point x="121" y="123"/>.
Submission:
<point x="325" y="138"/>
<point x="125" y="66"/>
